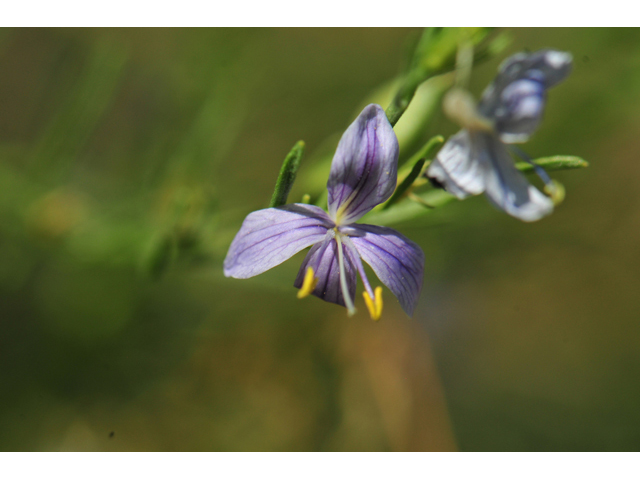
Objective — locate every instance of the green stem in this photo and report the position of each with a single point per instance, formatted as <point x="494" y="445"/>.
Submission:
<point x="403" y="211"/>
<point x="435" y="54"/>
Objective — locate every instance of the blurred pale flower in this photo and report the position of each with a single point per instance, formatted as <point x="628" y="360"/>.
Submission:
<point x="363" y="175"/>
<point x="476" y="159"/>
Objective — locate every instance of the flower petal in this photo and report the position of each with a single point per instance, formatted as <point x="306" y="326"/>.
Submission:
<point x="323" y="258"/>
<point x="506" y="187"/>
<point x="523" y="105"/>
<point x="396" y="260"/>
<point x="364" y="169"/>
<point x="456" y="168"/>
<point x="516" y="98"/>
<point x="471" y="163"/>
<point x="554" y="65"/>
<point x="269" y="237"/>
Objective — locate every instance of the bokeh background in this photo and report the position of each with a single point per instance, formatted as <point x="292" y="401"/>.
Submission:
<point x="128" y="160"/>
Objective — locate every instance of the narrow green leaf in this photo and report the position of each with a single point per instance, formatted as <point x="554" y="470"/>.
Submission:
<point x="425" y="152"/>
<point x="409" y="176"/>
<point x="435" y="54"/>
<point x="287" y="175"/>
<point x="406" y="183"/>
<point x="558" y="162"/>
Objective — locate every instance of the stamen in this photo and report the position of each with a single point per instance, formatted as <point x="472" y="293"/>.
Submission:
<point x="373" y="299"/>
<point x="556" y="191"/>
<point x="374" y="305"/>
<point x="343" y="280"/>
<point x="308" y="284"/>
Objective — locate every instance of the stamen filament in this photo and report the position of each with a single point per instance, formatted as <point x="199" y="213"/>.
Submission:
<point x="343" y="279"/>
<point x="308" y="284"/>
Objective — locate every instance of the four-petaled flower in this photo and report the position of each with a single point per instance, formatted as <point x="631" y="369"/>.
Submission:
<point x="363" y="175"/>
<point x="476" y="160"/>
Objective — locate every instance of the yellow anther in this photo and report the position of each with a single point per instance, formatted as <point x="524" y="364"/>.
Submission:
<point x="374" y="304"/>
<point x="309" y="283"/>
<point x="556" y="191"/>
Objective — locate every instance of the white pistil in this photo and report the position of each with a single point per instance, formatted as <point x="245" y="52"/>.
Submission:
<point x="343" y="278"/>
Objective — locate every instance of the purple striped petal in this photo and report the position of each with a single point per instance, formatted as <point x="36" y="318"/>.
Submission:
<point x="523" y="102"/>
<point x="364" y="169"/>
<point x="269" y="237"/>
<point x="515" y="100"/>
<point x="323" y="258"/>
<point x="554" y="66"/>
<point x="396" y="260"/>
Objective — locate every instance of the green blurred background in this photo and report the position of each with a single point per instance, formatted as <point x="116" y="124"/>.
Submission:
<point x="128" y="160"/>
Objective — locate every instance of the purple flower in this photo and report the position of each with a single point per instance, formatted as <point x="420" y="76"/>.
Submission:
<point x="476" y="159"/>
<point x="363" y="175"/>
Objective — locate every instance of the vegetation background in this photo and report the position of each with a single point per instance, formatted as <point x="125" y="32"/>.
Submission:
<point x="128" y="159"/>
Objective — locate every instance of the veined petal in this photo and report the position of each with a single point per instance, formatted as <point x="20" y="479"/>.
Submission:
<point x="515" y="100"/>
<point x="506" y="187"/>
<point x="396" y="260"/>
<point x="323" y="259"/>
<point x="523" y="103"/>
<point x="456" y="168"/>
<point x="471" y="163"/>
<point x="269" y="237"/>
<point x="554" y="65"/>
<point x="364" y="169"/>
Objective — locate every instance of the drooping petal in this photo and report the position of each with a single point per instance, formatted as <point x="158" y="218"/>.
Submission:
<point x="269" y="237"/>
<point x="516" y="98"/>
<point x="471" y="163"/>
<point x="323" y="258"/>
<point x="456" y="169"/>
<point x="554" y="65"/>
<point x="506" y="187"/>
<point x="364" y="169"/>
<point x="396" y="260"/>
<point x="523" y="103"/>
